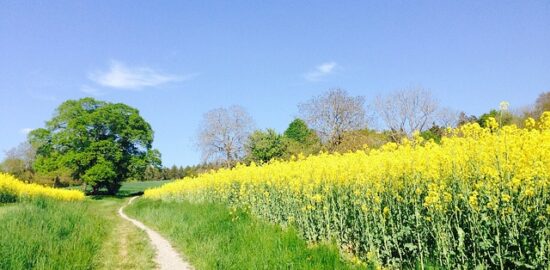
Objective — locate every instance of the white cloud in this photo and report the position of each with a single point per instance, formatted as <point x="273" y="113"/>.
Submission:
<point x="90" y="91"/>
<point x="25" y="131"/>
<point x="321" y="71"/>
<point x="133" y="78"/>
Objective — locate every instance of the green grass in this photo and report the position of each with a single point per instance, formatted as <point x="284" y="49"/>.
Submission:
<point x="213" y="238"/>
<point x="125" y="246"/>
<point x="46" y="234"/>
<point x="4" y="208"/>
<point x="129" y="188"/>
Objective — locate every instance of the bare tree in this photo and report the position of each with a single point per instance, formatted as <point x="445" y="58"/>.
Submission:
<point x="542" y="104"/>
<point x="463" y="119"/>
<point x="407" y="110"/>
<point x="223" y="134"/>
<point x="19" y="161"/>
<point x="333" y="113"/>
<point x="447" y="117"/>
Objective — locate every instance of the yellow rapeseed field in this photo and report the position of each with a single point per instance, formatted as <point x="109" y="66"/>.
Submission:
<point x="12" y="189"/>
<point x="479" y="198"/>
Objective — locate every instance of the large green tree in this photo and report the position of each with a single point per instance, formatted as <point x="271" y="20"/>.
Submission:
<point x="97" y="142"/>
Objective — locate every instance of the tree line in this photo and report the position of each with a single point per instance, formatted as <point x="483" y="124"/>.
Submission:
<point x="101" y="144"/>
<point x="335" y="121"/>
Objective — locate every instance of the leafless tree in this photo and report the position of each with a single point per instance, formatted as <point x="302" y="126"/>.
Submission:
<point x="407" y="110"/>
<point x="463" y="119"/>
<point x="542" y="104"/>
<point x="447" y="117"/>
<point x="333" y="113"/>
<point x="223" y="134"/>
<point x="19" y="161"/>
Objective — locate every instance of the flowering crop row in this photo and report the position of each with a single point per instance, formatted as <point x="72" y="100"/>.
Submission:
<point x="12" y="189"/>
<point x="479" y="198"/>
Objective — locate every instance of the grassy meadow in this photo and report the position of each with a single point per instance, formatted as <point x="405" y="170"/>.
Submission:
<point x="46" y="233"/>
<point x="213" y="237"/>
<point x="125" y="246"/>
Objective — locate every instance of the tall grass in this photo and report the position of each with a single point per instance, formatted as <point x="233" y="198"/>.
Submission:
<point x="48" y="234"/>
<point x="213" y="237"/>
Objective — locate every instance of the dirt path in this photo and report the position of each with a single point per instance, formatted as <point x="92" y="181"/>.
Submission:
<point x="166" y="257"/>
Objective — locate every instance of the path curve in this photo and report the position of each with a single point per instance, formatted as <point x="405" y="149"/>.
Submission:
<point x="166" y="257"/>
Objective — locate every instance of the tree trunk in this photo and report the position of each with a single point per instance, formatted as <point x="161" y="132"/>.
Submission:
<point x="113" y="188"/>
<point x="94" y="190"/>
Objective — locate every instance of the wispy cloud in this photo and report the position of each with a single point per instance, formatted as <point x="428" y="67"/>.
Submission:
<point x="25" y="131"/>
<point x="321" y="71"/>
<point x="121" y="76"/>
<point x="86" y="89"/>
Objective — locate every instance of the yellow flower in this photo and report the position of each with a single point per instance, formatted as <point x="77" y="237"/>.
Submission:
<point x="530" y="123"/>
<point x="317" y="198"/>
<point x="10" y="186"/>
<point x="472" y="172"/>
<point x="491" y="123"/>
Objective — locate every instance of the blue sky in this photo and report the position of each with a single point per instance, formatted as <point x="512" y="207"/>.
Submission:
<point x="175" y="60"/>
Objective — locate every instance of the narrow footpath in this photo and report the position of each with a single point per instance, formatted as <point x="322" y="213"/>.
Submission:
<point x="166" y="257"/>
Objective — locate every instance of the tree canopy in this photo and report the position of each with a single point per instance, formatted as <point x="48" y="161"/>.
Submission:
<point x="98" y="142"/>
<point x="264" y="146"/>
<point x="299" y="131"/>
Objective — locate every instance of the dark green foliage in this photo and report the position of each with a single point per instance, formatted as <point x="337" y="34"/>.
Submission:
<point x="174" y="172"/>
<point x="299" y="131"/>
<point x="213" y="237"/>
<point x="7" y="197"/>
<point x="262" y="146"/>
<point x="434" y="133"/>
<point x="46" y="234"/>
<point x="97" y="142"/>
<point x="503" y="118"/>
<point x="301" y="139"/>
<point x="130" y="188"/>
